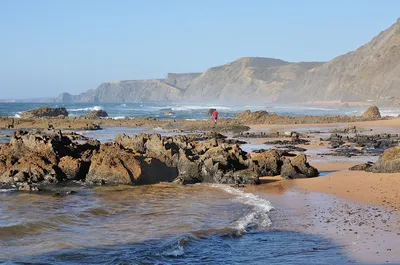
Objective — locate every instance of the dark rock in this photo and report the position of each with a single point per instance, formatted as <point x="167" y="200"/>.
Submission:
<point x="43" y="112"/>
<point x="298" y="167"/>
<point x="210" y="111"/>
<point x="362" y="167"/>
<point x="96" y="114"/>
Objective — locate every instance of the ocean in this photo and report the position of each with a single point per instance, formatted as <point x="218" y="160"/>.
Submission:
<point x="155" y="224"/>
<point x="182" y="110"/>
<point x="158" y="224"/>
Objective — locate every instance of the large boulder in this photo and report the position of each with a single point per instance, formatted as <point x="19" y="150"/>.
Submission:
<point x="298" y="167"/>
<point x="372" y="113"/>
<point x="45" y="112"/>
<point x="267" y="163"/>
<point x="96" y="114"/>
<point x="388" y="162"/>
<point x="113" y="165"/>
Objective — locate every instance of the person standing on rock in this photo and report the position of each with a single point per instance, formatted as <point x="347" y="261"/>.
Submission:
<point x="214" y="115"/>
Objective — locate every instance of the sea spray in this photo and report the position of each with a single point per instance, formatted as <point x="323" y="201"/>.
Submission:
<point x="260" y="209"/>
<point x="86" y="109"/>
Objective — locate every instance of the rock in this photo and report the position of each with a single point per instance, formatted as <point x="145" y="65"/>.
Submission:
<point x="268" y="162"/>
<point x="362" y="167"/>
<point x="189" y="170"/>
<point x="135" y="143"/>
<point x="298" y="167"/>
<point x="96" y="114"/>
<point x="32" y="168"/>
<point x="44" y="112"/>
<point x="210" y="111"/>
<point x="388" y="162"/>
<point x="249" y="117"/>
<point x="372" y="113"/>
<point x="113" y="165"/>
<point x="71" y="167"/>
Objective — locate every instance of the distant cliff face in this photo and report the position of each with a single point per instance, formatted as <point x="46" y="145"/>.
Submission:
<point x="370" y="73"/>
<point x="246" y="79"/>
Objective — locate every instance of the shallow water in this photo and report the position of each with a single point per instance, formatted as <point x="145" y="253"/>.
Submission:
<point x="155" y="224"/>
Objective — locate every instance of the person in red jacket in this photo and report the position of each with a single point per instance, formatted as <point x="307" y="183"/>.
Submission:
<point x="215" y="116"/>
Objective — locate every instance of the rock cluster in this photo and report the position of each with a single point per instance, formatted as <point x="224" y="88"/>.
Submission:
<point x="36" y="158"/>
<point x="96" y="114"/>
<point x="45" y="112"/>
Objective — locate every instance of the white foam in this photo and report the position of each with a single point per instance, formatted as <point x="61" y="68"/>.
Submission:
<point x="194" y="107"/>
<point x="118" y="118"/>
<point x="87" y="109"/>
<point x="175" y="252"/>
<point x="258" y="216"/>
<point x="390" y="112"/>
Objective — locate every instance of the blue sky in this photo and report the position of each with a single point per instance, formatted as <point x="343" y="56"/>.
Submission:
<point x="48" y="47"/>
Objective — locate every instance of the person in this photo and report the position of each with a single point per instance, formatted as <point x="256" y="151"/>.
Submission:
<point x="215" y="116"/>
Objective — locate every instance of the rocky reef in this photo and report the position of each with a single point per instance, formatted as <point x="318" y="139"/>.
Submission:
<point x="45" y="112"/>
<point x="34" y="159"/>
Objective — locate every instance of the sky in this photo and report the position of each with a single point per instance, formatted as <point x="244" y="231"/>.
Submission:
<point x="48" y="46"/>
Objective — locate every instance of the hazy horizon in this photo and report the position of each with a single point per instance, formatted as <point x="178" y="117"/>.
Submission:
<point x="51" y="47"/>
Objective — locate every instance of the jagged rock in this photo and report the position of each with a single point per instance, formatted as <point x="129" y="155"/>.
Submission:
<point x="189" y="170"/>
<point x="31" y="168"/>
<point x="71" y="167"/>
<point x="372" y="112"/>
<point x="268" y="163"/>
<point x="45" y="112"/>
<point x="96" y="114"/>
<point x="113" y="165"/>
<point x="388" y="162"/>
<point x="362" y="167"/>
<point x="135" y="143"/>
<point x="298" y="167"/>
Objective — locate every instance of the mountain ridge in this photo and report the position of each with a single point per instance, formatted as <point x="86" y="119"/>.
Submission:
<point x="370" y="73"/>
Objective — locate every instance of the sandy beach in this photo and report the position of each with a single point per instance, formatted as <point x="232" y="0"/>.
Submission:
<point x="359" y="209"/>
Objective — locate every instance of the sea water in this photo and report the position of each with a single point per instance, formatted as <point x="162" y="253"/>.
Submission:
<point x="184" y="111"/>
<point x="154" y="224"/>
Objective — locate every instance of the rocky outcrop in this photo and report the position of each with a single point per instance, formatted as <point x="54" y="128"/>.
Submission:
<point x="113" y="165"/>
<point x="372" y="113"/>
<point x="388" y="162"/>
<point x="38" y="158"/>
<point x="96" y="114"/>
<point x="45" y="112"/>
<point x="298" y="167"/>
<point x="43" y="157"/>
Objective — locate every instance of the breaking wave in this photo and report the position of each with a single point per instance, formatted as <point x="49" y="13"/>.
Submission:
<point x="87" y="109"/>
<point x="258" y="217"/>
